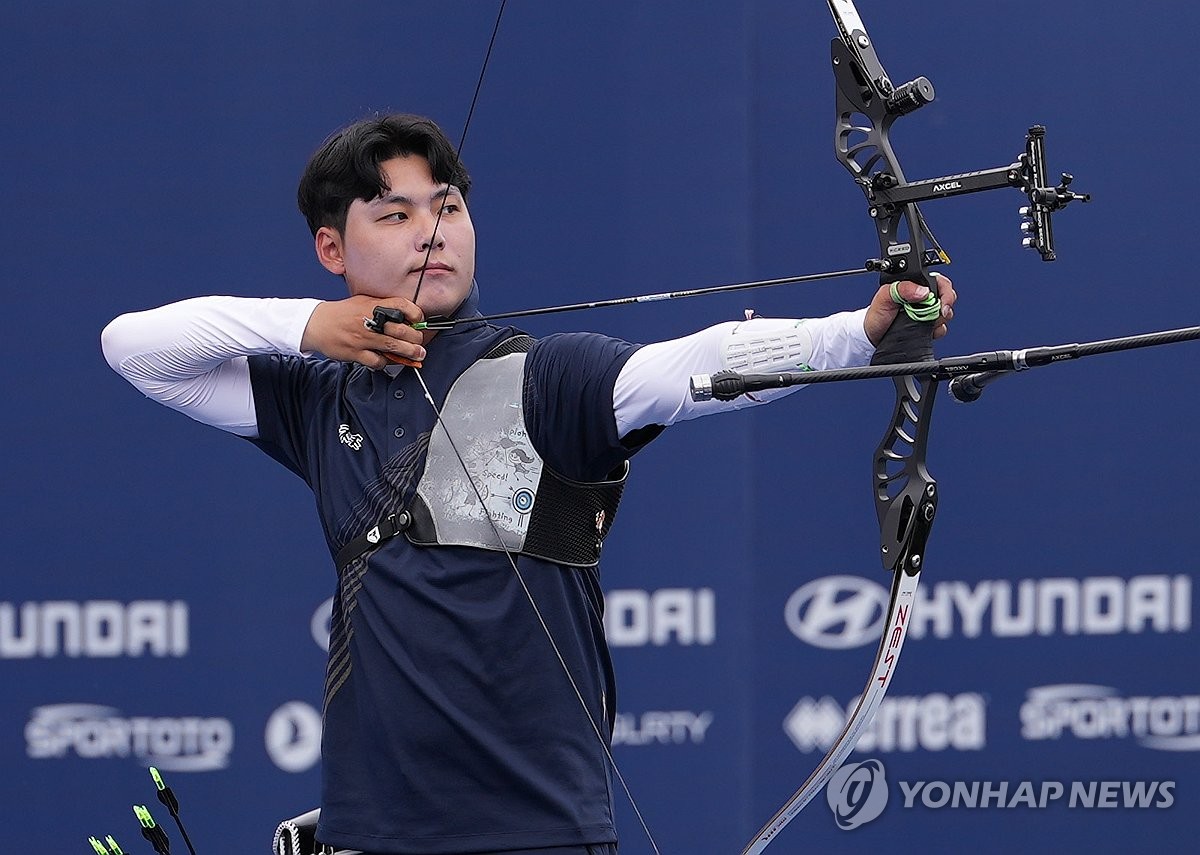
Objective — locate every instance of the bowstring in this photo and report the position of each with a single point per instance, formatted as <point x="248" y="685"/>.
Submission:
<point x="495" y="529"/>
<point x="462" y="140"/>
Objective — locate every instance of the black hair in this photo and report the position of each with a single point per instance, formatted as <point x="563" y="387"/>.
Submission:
<point x="347" y="165"/>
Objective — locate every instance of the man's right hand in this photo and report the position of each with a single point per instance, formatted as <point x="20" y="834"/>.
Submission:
<point x="336" y="330"/>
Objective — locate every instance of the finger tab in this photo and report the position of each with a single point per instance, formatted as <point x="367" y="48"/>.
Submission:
<point x="403" y="360"/>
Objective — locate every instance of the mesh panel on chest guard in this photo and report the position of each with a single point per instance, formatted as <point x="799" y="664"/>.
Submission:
<point x="536" y="511"/>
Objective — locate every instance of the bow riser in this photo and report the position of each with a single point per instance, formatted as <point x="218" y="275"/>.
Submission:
<point x="866" y="152"/>
<point x="905" y="492"/>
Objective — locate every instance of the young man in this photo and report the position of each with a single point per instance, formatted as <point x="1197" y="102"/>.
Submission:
<point x="450" y="725"/>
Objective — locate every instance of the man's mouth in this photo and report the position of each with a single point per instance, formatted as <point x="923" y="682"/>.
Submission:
<point x="432" y="267"/>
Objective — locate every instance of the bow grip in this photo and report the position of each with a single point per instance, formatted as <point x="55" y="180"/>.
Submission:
<point x="908" y="339"/>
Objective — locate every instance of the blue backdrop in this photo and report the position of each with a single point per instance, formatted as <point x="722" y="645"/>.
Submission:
<point x="165" y="586"/>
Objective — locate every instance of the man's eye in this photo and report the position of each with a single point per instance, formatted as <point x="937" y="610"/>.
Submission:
<point x="395" y="217"/>
<point x="450" y="208"/>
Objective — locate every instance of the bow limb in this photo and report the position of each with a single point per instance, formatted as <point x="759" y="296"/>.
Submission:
<point x="900" y="601"/>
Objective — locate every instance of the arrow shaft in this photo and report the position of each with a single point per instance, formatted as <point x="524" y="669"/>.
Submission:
<point x="447" y="323"/>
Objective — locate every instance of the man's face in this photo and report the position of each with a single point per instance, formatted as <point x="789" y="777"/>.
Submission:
<point x="388" y="239"/>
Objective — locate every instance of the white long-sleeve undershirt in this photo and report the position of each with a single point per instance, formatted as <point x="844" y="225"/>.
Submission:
<point x="191" y="356"/>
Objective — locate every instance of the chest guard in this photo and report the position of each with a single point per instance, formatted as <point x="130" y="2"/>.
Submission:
<point x="536" y="511"/>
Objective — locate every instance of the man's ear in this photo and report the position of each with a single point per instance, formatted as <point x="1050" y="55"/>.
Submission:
<point x="329" y="250"/>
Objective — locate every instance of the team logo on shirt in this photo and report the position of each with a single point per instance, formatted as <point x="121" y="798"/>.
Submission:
<point x="354" y="440"/>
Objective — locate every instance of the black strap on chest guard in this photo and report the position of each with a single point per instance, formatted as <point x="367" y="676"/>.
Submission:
<point x="568" y="524"/>
<point x="391" y="526"/>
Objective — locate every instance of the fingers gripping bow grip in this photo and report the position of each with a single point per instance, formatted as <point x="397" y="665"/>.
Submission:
<point x="910" y="337"/>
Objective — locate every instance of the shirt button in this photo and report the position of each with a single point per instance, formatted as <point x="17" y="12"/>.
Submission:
<point x="398" y="432"/>
<point x="399" y="393"/>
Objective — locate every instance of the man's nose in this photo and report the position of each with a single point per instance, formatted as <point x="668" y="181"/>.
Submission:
<point x="430" y="233"/>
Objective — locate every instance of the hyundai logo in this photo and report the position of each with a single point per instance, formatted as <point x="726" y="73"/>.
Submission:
<point x="837" y="612"/>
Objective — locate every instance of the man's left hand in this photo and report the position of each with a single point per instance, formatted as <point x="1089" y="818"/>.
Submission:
<point x="883" y="309"/>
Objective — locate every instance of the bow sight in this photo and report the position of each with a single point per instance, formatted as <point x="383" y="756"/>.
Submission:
<point x="864" y="91"/>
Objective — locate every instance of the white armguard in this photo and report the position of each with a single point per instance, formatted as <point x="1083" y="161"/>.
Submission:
<point x="652" y="388"/>
<point x="765" y="345"/>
